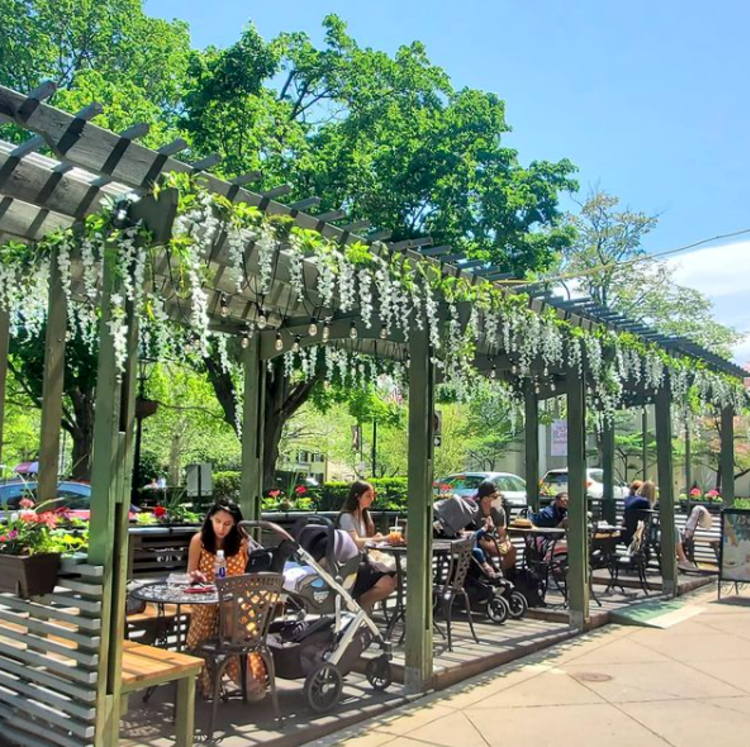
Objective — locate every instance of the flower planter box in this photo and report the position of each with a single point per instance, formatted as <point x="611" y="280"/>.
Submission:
<point x="29" y="575"/>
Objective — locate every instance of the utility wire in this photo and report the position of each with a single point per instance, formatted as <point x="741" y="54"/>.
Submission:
<point x="610" y="265"/>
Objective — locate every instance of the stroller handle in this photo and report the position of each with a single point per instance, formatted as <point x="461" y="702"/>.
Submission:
<point x="247" y="525"/>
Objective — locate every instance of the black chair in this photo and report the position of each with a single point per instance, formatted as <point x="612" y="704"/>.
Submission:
<point x="602" y="555"/>
<point x="449" y="584"/>
<point x="636" y="558"/>
<point x="246" y="606"/>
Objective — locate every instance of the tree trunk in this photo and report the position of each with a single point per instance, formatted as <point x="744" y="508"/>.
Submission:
<point x="82" y="434"/>
<point x="283" y="399"/>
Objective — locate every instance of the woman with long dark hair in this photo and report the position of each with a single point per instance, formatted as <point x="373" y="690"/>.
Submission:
<point x="220" y="531"/>
<point x="372" y="584"/>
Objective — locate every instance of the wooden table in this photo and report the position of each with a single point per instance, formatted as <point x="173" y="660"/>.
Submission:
<point x="144" y="667"/>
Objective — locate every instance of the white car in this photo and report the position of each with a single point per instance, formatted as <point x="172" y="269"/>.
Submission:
<point x="465" y="484"/>
<point x="556" y="481"/>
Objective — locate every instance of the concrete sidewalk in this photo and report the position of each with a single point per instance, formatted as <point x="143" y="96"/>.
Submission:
<point x="684" y="686"/>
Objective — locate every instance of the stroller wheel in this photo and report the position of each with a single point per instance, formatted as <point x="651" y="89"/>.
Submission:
<point x="379" y="673"/>
<point x="323" y="687"/>
<point x="498" y="610"/>
<point x="517" y="604"/>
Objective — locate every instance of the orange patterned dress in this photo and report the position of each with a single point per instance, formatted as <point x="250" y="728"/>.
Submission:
<point x="204" y="623"/>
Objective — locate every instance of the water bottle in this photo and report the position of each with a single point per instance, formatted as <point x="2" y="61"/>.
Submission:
<point x="220" y="565"/>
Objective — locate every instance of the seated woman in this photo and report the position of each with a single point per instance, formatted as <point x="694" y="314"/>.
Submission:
<point x="492" y="520"/>
<point x="219" y="532"/>
<point x="373" y="584"/>
<point x="699" y="518"/>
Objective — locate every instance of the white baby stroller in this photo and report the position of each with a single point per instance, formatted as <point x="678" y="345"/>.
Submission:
<point x="327" y="631"/>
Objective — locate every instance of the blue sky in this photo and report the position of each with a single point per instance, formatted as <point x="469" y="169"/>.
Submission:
<point x="648" y="99"/>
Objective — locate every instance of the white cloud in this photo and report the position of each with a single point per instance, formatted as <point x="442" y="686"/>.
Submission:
<point x="716" y="271"/>
<point x="723" y="274"/>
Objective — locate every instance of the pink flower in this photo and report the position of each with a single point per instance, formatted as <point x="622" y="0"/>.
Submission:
<point x="3" y="538"/>
<point x="274" y="493"/>
<point x="695" y="493"/>
<point x="712" y="494"/>
<point x="26" y="503"/>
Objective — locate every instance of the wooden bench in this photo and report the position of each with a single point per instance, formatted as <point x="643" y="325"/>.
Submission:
<point x="146" y="666"/>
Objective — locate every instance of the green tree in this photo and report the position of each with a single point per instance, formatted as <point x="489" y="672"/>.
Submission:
<point x="608" y="263"/>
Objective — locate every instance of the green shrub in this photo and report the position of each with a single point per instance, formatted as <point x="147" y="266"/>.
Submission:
<point x="742" y="503"/>
<point x="390" y="494"/>
<point x="227" y="484"/>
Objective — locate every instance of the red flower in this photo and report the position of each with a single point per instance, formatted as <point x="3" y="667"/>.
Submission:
<point x="274" y="493"/>
<point x="300" y="490"/>
<point x="160" y="511"/>
<point x="3" y="539"/>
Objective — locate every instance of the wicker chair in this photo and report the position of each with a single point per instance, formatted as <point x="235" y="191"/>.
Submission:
<point x="246" y="607"/>
<point x="449" y="586"/>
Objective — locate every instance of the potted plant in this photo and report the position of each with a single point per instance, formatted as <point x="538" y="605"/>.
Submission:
<point x="170" y="511"/>
<point x="32" y="541"/>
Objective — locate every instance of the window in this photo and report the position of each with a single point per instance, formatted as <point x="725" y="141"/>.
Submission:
<point x="556" y="478"/>
<point x="597" y="475"/>
<point x="510" y="483"/>
<point x="464" y="482"/>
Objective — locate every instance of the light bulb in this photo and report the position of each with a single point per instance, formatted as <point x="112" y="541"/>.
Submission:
<point x="279" y="344"/>
<point x="245" y="342"/>
<point x="262" y="320"/>
<point x="536" y="389"/>
<point x="353" y="331"/>
<point x="295" y="345"/>
<point x="493" y="372"/>
<point x="326" y="332"/>
<point x="312" y="330"/>
<point x="384" y="332"/>
<point x="514" y="369"/>
<point x="553" y="386"/>
<point x="68" y="335"/>
<point x="224" y="303"/>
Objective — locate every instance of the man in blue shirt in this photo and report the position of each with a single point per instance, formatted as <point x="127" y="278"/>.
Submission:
<point x="553" y="515"/>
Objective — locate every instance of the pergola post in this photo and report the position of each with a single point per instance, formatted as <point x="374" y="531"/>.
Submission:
<point x="53" y="379"/>
<point x="578" y="555"/>
<point x="251" y="490"/>
<point x="726" y="459"/>
<point x="110" y="503"/>
<point x="644" y="447"/>
<point x="4" y="346"/>
<point x="688" y="460"/>
<point x="664" y="458"/>
<point x="418" y="672"/>
<point x="609" y="512"/>
<point x="531" y="408"/>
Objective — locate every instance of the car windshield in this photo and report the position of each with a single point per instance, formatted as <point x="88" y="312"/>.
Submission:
<point x="510" y="484"/>
<point x="464" y="482"/>
<point x="597" y="475"/>
<point x="556" y="478"/>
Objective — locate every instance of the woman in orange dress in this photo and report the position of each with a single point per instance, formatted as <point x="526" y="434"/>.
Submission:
<point x="219" y="532"/>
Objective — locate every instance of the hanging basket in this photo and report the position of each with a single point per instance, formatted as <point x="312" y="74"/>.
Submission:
<point x="29" y="575"/>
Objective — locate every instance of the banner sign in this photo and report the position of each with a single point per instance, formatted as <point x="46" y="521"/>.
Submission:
<point x="735" y="545"/>
<point x="559" y="445"/>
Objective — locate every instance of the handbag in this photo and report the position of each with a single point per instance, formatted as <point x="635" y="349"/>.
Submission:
<point x="381" y="561"/>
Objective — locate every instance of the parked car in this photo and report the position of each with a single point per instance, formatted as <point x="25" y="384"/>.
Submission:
<point x="465" y="484"/>
<point x="73" y="497"/>
<point x="556" y="481"/>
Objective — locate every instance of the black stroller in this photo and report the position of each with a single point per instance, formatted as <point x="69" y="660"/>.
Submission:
<point x="494" y="595"/>
<point x="324" y="631"/>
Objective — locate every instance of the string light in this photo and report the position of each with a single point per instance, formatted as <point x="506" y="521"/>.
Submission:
<point x="279" y="344"/>
<point x="326" y="332"/>
<point x="312" y="330"/>
<point x="224" y="304"/>
<point x="295" y="344"/>
<point x="384" y="332"/>
<point x="247" y="335"/>
<point x="262" y="319"/>
<point x="353" y="331"/>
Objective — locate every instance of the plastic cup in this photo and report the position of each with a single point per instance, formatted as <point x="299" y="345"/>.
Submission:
<point x="394" y="535"/>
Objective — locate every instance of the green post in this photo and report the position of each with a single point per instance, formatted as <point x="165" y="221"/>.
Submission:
<point x="727" y="456"/>
<point x="644" y="447"/>
<point x="664" y="458"/>
<point x="688" y="460"/>
<point x="418" y="673"/>
<point x="578" y="556"/>
<point x="104" y="527"/>
<point x="252" y="431"/>
<point x="4" y="345"/>
<point x="531" y="406"/>
<point x="52" y="384"/>
<point x="609" y="512"/>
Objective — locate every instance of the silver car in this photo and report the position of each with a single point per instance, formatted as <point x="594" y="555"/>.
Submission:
<point x="465" y="484"/>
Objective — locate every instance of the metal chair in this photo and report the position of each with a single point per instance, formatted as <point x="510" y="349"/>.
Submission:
<point x="246" y="606"/>
<point x="636" y="559"/>
<point x="449" y="585"/>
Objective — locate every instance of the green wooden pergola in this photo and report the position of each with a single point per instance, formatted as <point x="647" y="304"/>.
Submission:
<point x="39" y="194"/>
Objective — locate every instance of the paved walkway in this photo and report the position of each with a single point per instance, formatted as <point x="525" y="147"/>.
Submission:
<point x="684" y="686"/>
